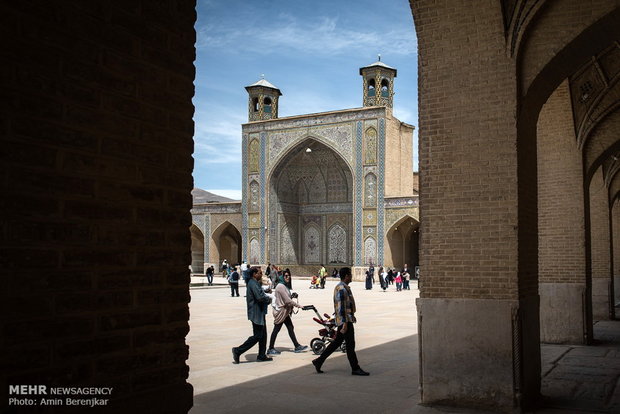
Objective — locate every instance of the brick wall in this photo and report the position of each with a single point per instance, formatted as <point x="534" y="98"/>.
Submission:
<point x="615" y="217"/>
<point x="599" y="216"/>
<point x="561" y="246"/>
<point x="600" y="242"/>
<point x="468" y="158"/>
<point x="97" y="132"/>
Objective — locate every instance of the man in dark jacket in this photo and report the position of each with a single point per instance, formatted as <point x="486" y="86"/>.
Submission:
<point x="257" y="309"/>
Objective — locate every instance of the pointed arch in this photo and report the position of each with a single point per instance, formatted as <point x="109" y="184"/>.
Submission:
<point x="227" y="241"/>
<point x="403" y="242"/>
<point x="197" y="248"/>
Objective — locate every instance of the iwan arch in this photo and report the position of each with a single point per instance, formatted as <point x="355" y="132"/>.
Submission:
<point x="318" y="188"/>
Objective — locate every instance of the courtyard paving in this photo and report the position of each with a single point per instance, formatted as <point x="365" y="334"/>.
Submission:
<point x="574" y="378"/>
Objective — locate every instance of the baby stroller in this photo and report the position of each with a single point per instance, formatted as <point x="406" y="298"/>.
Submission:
<point x="315" y="282"/>
<point x="327" y="332"/>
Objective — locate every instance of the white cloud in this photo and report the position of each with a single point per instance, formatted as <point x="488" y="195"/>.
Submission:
<point x="320" y="36"/>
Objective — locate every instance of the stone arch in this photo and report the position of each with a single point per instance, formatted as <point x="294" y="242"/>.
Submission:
<point x="198" y="249"/>
<point x="539" y="74"/>
<point x="544" y="46"/>
<point x="305" y="142"/>
<point x="403" y="243"/>
<point x="310" y="183"/>
<point x="227" y="241"/>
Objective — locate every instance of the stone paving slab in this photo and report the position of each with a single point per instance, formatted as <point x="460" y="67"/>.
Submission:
<point x="387" y="344"/>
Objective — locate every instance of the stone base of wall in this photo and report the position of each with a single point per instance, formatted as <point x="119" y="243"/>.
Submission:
<point x="601" y="295"/>
<point x="562" y="313"/>
<point x="467" y="352"/>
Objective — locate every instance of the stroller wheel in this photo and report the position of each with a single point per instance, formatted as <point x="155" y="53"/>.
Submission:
<point x="343" y="346"/>
<point x="317" y="345"/>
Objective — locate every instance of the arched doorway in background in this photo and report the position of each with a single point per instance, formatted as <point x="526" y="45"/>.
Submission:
<point x="403" y="239"/>
<point x="198" y="249"/>
<point x="227" y="239"/>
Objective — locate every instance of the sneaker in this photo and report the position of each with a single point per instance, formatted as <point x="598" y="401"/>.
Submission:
<point x="235" y="354"/>
<point x="273" y="351"/>
<point x="263" y="358"/>
<point x="300" y="348"/>
<point x="360" y="372"/>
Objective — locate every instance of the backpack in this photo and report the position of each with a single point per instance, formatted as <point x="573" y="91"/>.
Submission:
<point x="234" y="277"/>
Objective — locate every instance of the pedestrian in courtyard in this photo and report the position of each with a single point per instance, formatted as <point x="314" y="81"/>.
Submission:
<point x="382" y="275"/>
<point x="282" y="310"/>
<point x="344" y="311"/>
<point x="288" y="284"/>
<point x="233" y="281"/>
<point x="257" y="302"/>
<point x="210" y="270"/>
<point x="322" y="276"/>
<point x="399" y="281"/>
<point x="335" y="272"/>
<point x="268" y="271"/>
<point x="224" y="268"/>
<point x="369" y="279"/>
<point x="244" y="271"/>
<point x="406" y="277"/>
<point x="390" y="276"/>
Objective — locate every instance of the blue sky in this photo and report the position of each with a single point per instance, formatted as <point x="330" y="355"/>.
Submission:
<point x="310" y="50"/>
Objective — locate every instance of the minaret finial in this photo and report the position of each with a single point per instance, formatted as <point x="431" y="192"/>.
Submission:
<point x="379" y="56"/>
<point x="262" y="76"/>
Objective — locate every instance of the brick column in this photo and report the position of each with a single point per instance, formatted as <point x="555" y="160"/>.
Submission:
<point x="615" y="222"/>
<point x="97" y="123"/>
<point x="561" y="258"/>
<point x="600" y="242"/>
<point x="478" y="314"/>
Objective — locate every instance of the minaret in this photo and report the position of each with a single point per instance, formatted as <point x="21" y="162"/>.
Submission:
<point x="263" y="101"/>
<point x="378" y="84"/>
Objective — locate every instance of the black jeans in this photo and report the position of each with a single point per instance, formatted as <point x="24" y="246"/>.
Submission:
<point x="349" y="337"/>
<point x="259" y="337"/>
<point x="234" y="287"/>
<point x="291" y="332"/>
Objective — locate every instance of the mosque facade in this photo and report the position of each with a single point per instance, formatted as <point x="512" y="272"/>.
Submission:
<point x="333" y="188"/>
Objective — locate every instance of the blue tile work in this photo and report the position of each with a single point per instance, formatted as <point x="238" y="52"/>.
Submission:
<point x="263" y="213"/>
<point x="381" y="191"/>
<point x="244" y="198"/>
<point x="359" y="178"/>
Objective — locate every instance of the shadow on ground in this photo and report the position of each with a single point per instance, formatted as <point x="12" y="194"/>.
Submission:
<point x="392" y="386"/>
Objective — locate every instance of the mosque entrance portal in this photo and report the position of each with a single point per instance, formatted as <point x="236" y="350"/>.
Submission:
<point x="311" y="203"/>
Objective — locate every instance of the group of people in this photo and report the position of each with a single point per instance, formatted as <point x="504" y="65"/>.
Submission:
<point x="388" y="276"/>
<point x="259" y="295"/>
